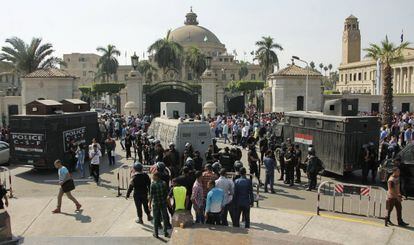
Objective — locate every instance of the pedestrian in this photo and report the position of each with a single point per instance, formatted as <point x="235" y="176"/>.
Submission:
<point x="208" y="175"/>
<point x="94" y="155"/>
<point x="243" y="199"/>
<point x="158" y="204"/>
<point x="252" y="159"/>
<point x="227" y="186"/>
<point x="80" y="155"/>
<point x="140" y="184"/>
<point x="394" y="198"/>
<point x="3" y="195"/>
<point x="128" y="145"/>
<point x="198" y="161"/>
<point x="214" y="204"/>
<point x="197" y="198"/>
<point x="172" y="159"/>
<point x="270" y="165"/>
<point x="179" y="195"/>
<point x="187" y="180"/>
<point x="110" y="148"/>
<point x="225" y="133"/>
<point x="66" y="186"/>
<point x="281" y="159"/>
<point x="314" y="165"/>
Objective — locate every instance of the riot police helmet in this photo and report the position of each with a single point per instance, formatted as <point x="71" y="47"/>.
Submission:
<point x="160" y="166"/>
<point x="237" y="165"/>
<point x="138" y="166"/>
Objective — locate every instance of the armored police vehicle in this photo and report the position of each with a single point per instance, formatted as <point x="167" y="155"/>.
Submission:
<point x="39" y="140"/>
<point x="171" y="127"/>
<point x="337" y="135"/>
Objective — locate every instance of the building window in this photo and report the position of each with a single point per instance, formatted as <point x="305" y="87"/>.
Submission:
<point x="253" y="76"/>
<point x="223" y="77"/>
<point x="226" y="60"/>
<point x="82" y="59"/>
<point x="84" y="73"/>
<point x="359" y="76"/>
<point x="350" y="77"/>
<point x="354" y="79"/>
<point x="83" y="65"/>
<point x="346" y="78"/>
<point x="233" y="77"/>
<point x="189" y="76"/>
<point x="68" y="60"/>
<point x="342" y="77"/>
<point x="365" y="76"/>
<point x="221" y="60"/>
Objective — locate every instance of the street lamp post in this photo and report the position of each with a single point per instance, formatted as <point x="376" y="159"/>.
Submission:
<point x="307" y="80"/>
<point x="134" y="61"/>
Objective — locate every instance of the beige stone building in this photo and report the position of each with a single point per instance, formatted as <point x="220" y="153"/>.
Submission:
<point x="289" y="89"/>
<point x="83" y="66"/>
<point x="360" y="76"/>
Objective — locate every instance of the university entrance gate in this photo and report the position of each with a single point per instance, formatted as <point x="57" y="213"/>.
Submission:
<point x="172" y="91"/>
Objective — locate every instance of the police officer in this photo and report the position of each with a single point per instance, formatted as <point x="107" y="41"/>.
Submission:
<point x="314" y="165"/>
<point x="290" y="162"/>
<point x="252" y="159"/>
<point x="298" y="153"/>
<point x="226" y="160"/>
<point x="281" y="159"/>
<point x="264" y="146"/>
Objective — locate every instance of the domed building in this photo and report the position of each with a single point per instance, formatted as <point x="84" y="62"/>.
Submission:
<point x="182" y="86"/>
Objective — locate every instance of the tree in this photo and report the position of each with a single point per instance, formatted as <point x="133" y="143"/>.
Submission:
<point x="321" y="66"/>
<point x="243" y="70"/>
<point x="267" y="56"/>
<point x="195" y="61"/>
<point x="146" y="69"/>
<point x="168" y="53"/>
<point x="388" y="53"/>
<point x="325" y="68"/>
<point x="27" y="58"/>
<point x="312" y="65"/>
<point x="330" y="68"/>
<point x="107" y="63"/>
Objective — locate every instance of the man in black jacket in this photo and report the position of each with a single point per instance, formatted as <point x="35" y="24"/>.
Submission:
<point x="314" y="165"/>
<point x="140" y="183"/>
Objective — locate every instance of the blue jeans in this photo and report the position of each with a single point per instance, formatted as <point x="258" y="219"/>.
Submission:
<point x="199" y="215"/>
<point x="225" y="138"/>
<point x="81" y="166"/>
<point x="270" y="180"/>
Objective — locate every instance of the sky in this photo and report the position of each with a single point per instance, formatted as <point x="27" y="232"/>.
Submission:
<point x="310" y="29"/>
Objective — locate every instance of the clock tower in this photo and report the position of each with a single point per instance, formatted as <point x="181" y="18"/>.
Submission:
<point x="351" y="41"/>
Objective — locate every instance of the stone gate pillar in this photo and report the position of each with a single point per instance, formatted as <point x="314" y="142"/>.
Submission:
<point x="135" y="90"/>
<point x="220" y="99"/>
<point x="208" y="87"/>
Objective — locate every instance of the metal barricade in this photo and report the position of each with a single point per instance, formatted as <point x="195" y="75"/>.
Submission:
<point x="125" y="173"/>
<point x="256" y="195"/>
<point x="6" y="180"/>
<point x="353" y="199"/>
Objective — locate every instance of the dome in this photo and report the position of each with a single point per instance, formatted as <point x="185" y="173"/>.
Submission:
<point x="130" y="105"/>
<point x="209" y="105"/>
<point x="193" y="33"/>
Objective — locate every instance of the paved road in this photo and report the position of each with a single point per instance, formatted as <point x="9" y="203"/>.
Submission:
<point x="28" y="182"/>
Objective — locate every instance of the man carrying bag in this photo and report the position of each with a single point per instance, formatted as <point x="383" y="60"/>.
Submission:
<point x="66" y="186"/>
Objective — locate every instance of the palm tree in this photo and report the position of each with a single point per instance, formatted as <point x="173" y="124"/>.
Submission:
<point x="243" y="70"/>
<point x="27" y="58"/>
<point x="330" y="68"/>
<point x="312" y="65"/>
<point x="146" y="69"/>
<point x="325" y="68"/>
<point x="195" y="61"/>
<point x="388" y="53"/>
<point x="107" y="63"/>
<point x="321" y="66"/>
<point x="267" y="56"/>
<point x="167" y="52"/>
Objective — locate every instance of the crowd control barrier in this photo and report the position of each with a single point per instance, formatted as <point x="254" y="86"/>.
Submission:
<point x="351" y="199"/>
<point x="125" y="173"/>
<point x="256" y="194"/>
<point x="6" y="180"/>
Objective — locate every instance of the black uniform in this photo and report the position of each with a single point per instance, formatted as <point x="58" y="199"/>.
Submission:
<point x="227" y="161"/>
<point x="140" y="183"/>
<point x="282" y="153"/>
<point x="290" y="162"/>
<point x="298" y="164"/>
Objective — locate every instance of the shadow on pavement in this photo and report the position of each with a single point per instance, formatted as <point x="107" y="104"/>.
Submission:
<point x="79" y="216"/>
<point x="266" y="227"/>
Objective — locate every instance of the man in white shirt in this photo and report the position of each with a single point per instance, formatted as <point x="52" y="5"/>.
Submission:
<point x="95" y="155"/>
<point x="245" y="135"/>
<point x="227" y="186"/>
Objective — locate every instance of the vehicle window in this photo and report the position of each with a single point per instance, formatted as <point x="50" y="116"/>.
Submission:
<point x="202" y="134"/>
<point x="186" y="135"/>
<point x="3" y="147"/>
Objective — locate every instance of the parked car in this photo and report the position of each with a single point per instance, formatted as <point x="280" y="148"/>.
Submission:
<point x="4" y="152"/>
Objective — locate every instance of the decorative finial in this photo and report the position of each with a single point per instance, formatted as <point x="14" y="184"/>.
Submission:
<point x="293" y="61"/>
<point x="191" y="9"/>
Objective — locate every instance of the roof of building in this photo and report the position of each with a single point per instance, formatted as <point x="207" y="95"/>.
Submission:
<point x="351" y="17"/>
<point x="294" y="70"/>
<point x="49" y="73"/>
<point x="75" y="101"/>
<point x="191" y="32"/>
<point x="47" y="102"/>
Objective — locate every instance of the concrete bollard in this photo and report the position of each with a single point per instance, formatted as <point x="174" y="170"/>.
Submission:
<point x="5" y="227"/>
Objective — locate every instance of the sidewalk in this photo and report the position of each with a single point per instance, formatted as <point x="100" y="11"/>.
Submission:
<point x="114" y="218"/>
